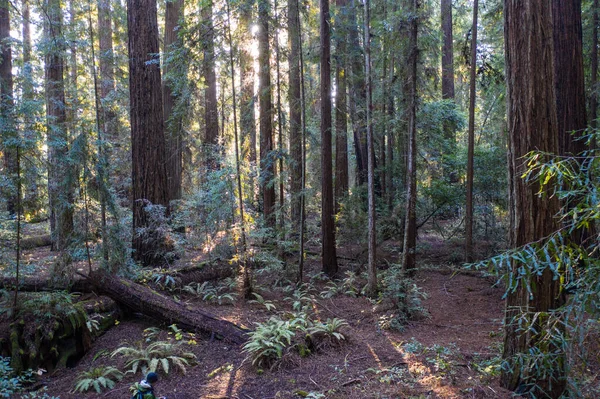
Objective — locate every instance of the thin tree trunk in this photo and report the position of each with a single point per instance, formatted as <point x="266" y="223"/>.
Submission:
<point x="173" y="121"/>
<point x="267" y="165"/>
<point x="341" y="105"/>
<point x="372" y="267"/>
<point x="59" y="175"/>
<point x="448" y="80"/>
<point x="107" y="71"/>
<point x="328" y="256"/>
<point x="247" y="117"/>
<point x="149" y="176"/>
<point x="303" y="150"/>
<point x="530" y="80"/>
<point x="391" y="114"/>
<point x="295" y="104"/>
<point x="471" y="140"/>
<point x="410" y="229"/>
<point x="211" y="113"/>
<point x="279" y="123"/>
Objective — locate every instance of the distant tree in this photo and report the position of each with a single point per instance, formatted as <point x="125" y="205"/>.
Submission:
<point x="247" y="100"/>
<point x="267" y="164"/>
<point x="173" y="120"/>
<point x="594" y="67"/>
<point x="341" y="103"/>
<point x="211" y="114"/>
<point x="107" y="70"/>
<point x="149" y="176"/>
<point x="530" y="80"/>
<point x="410" y="229"/>
<point x="295" y="104"/>
<point x="60" y="191"/>
<point x="328" y="255"/>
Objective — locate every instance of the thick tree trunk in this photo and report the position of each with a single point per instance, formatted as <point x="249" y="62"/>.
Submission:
<point x="107" y="71"/>
<point x="173" y="121"/>
<point x="328" y="256"/>
<point x="9" y="133"/>
<point x="569" y="79"/>
<point x="341" y="104"/>
<point x="471" y="140"/>
<point x="295" y="102"/>
<point x="267" y="164"/>
<point x="211" y="114"/>
<point x="60" y="192"/>
<point x="530" y="80"/>
<point x="149" y="177"/>
<point x="594" y="67"/>
<point x="410" y="228"/>
<point x="159" y="307"/>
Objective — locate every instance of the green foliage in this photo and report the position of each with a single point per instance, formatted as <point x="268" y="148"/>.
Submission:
<point x="157" y="355"/>
<point x="329" y="331"/>
<point x="211" y="293"/>
<point x="270" y="339"/>
<point x="405" y="295"/>
<point x="98" y="378"/>
<point x="11" y="383"/>
<point x="269" y="305"/>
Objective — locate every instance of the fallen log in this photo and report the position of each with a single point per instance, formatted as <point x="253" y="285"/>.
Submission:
<point x="36" y="241"/>
<point x="36" y="284"/>
<point x="204" y="272"/>
<point x="159" y="307"/>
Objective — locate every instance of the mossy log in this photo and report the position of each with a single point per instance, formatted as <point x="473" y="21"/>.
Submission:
<point x="144" y="300"/>
<point x="206" y="271"/>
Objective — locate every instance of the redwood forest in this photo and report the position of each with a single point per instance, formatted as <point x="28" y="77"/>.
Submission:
<point x="281" y="199"/>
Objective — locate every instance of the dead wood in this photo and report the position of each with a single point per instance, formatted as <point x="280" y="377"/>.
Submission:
<point x="162" y="308"/>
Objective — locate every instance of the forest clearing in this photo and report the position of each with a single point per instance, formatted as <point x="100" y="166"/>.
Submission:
<point x="299" y="199"/>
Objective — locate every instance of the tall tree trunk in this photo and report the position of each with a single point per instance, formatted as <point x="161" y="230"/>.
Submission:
<point x="9" y="135"/>
<point x="211" y="114"/>
<point x="471" y="140"/>
<point x="341" y="105"/>
<point x="267" y="164"/>
<point x="173" y="121"/>
<point x="328" y="255"/>
<point x="107" y="71"/>
<point x="530" y="80"/>
<point x="59" y="175"/>
<point x="295" y="104"/>
<point x="447" y="51"/>
<point x="410" y="229"/>
<point x="279" y="122"/>
<point x="569" y="79"/>
<point x="594" y="67"/>
<point x="390" y="132"/>
<point x="149" y="176"/>
<point x="372" y="267"/>
<point x="358" y="96"/>
<point x="247" y="117"/>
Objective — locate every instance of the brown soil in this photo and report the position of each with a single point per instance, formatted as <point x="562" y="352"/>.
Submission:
<point x="440" y="356"/>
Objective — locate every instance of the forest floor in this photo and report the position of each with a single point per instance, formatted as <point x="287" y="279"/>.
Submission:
<point x="453" y="352"/>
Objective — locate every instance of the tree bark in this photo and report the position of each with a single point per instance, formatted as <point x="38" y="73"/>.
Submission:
<point x="173" y="121"/>
<point x="247" y="101"/>
<point x="372" y="267"/>
<point x="328" y="256"/>
<point x="569" y="78"/>
<point x="358" y="96"/>
<point x="594" y="68"/>
<point x="530" y="80"/>
<point x="341" y="105"/>
<point x="447" y="51"/>
<point x="211" y="114"/>
<point x="267" y="164"/>
<point x="107" y="70"/>
<point x="410" y="228"/>
<point x="471" y="139"/>
<point x="59" y="175"/>
<point x="162" y="308"/>
<point x="9" y="135"/>
<point x="295" y="104"/>
<point x="149" y="177"/>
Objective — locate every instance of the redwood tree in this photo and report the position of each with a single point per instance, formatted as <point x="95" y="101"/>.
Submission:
<point x="328" y="254"/>
<point x="60" y="192"/>
<point x="149" y="177"/>
<point x="173" y="121"/>
<point x="295" y="101"/>
<point x="211" y="115"/>
<point x="530" y="80"/>
<point x="341" y="104"/>
<point x="267" y="164"/>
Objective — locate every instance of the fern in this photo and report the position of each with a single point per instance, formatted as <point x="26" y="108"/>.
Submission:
<point x="157" y="355"/>
<point x="98" y="378"/>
